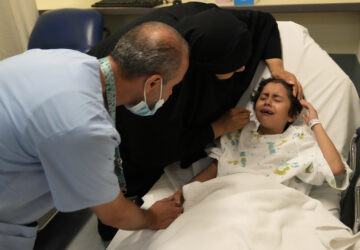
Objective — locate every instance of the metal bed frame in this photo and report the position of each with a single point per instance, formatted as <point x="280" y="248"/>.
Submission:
<point x="350" y="202"/>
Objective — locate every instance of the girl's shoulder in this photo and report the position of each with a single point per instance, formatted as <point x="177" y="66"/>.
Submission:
<point x="301" y="133"/>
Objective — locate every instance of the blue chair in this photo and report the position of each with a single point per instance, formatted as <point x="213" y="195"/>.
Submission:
<point x="76" y="29"/>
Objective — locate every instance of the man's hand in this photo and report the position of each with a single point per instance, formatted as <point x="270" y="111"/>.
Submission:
<point x="164" y="212"/>
<point x="124" y="214"/>
<point x="178" y="197"/>
<point x="234" y="119"/>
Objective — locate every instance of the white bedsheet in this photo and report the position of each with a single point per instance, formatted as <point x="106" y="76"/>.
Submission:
<point x="247" y="211"/>
<point x="325" y="85"/>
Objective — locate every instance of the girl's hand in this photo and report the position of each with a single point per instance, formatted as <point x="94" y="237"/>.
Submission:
<point x="311" y="110"/>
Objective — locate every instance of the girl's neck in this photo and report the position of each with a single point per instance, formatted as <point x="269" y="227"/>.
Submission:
<point x="265" y="131"/>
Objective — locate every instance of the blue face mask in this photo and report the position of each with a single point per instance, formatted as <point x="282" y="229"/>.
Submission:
<point x="142" y="108"/>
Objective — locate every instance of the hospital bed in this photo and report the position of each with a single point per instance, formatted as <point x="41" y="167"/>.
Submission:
<point x="325" y="85"/>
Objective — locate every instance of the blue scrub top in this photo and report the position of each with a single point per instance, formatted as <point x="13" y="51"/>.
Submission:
<point x="57" y="141"/>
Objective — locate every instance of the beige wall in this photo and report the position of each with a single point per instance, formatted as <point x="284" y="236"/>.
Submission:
<point x="17" y="18"/>
<point x="336" y="32"/>
<point x="54" y="4"/>
<point x="57" y="4"/>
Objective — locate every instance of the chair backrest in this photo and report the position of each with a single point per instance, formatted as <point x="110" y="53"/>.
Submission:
<point x="76" y="29"/>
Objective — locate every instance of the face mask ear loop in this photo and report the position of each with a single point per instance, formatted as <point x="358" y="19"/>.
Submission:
<point x="145" y="90"/>
<point x="161" y="88"/>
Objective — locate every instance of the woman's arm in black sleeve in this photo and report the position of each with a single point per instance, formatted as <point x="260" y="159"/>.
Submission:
<point x="193" y="144"/>
<point x="273" y="46"/>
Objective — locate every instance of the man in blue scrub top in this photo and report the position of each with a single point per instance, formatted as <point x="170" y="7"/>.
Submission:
<point x="57" y="140"/>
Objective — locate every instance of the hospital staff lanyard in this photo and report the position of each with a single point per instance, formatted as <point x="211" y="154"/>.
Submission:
<point x="110" y="89"/>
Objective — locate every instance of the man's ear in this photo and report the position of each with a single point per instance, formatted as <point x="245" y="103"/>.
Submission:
<point x="153" y="82"/>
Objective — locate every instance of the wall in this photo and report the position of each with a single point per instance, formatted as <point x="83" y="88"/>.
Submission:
<point x="336" y="32"/>
<point x="17" y="18"/>
<point x="57" y="4"/>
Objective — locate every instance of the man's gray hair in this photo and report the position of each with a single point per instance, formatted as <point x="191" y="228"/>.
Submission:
<point x="147" y="50"/>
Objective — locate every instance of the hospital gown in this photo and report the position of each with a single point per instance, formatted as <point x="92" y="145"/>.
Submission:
<point x="292" y="158"/>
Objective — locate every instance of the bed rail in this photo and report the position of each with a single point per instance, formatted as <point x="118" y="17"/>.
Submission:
<point x="353" y="164"/>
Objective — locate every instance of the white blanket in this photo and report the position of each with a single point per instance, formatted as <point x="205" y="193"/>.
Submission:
<point x="246" y="211"/>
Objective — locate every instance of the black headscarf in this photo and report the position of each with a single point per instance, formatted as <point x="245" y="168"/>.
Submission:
<point x="220" y="41"/>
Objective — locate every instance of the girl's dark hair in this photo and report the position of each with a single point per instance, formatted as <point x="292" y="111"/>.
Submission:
<point x="295" y="106"/>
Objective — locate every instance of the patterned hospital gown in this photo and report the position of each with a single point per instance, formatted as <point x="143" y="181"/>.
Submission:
<point x="292" y="158"/>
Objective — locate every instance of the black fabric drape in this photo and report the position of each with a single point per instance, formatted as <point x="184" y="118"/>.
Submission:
<point x="181" y="129"/>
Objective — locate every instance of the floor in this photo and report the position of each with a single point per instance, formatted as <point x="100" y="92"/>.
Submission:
<point x="78" y="230"/>
<point x="70" y="231"/>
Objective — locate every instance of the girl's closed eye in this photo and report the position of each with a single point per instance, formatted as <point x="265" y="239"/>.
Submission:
<point x="264" y="96"/>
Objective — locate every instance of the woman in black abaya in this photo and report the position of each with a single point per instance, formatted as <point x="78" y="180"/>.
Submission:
<point x="225" y="48"/>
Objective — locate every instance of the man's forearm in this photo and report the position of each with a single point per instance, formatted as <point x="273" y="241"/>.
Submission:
<point x="124" y="214"/>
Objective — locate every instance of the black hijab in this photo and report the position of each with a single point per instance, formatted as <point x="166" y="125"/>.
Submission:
<point x="220" y="41"/>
